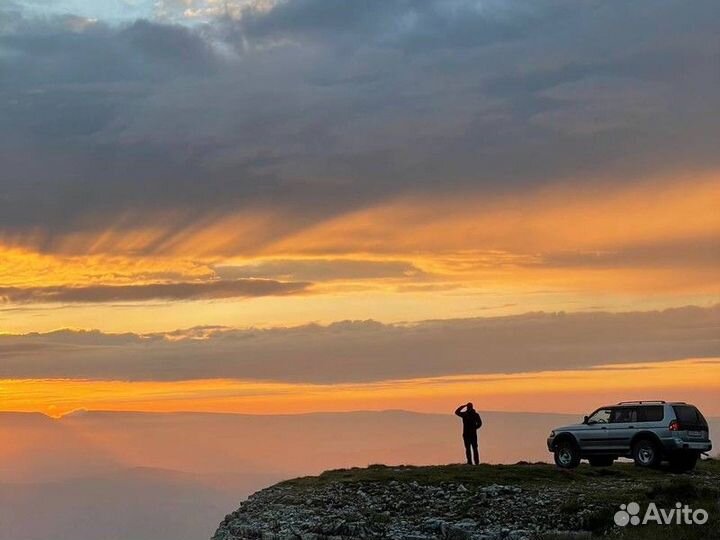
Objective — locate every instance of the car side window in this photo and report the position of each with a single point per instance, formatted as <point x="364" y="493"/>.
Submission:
<point x="623" y="415"/>
<point x="652" y="413"/>
<point x="601" y="416"/>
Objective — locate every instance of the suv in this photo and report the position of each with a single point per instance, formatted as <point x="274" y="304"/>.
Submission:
<point x="646" y="431"/>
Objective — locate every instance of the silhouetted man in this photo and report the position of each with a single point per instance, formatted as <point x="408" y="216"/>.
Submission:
<point x="471" y="423"/>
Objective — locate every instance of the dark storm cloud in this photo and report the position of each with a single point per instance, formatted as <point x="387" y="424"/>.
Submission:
<point x="315" y="108"/>
<point x="70" y="50"/>
<point x="237" y="288"/>
<point x="356" y="351"/>
<point x="407" y="24"/>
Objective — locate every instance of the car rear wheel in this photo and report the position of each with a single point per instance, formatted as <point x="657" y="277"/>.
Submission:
<point x="683" y="462"/>
<point x="601" y="461"/>
<point x="646" y="453"/>
<point x="567" y="455"/>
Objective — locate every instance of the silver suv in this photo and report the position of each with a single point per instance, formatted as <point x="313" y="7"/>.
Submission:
<point x="646" y="431"/>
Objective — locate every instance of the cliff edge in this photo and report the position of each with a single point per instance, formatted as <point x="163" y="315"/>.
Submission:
<point x="488" y="502"/>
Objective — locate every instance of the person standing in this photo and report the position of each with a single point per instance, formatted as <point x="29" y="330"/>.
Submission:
<point x="471" y="423"/>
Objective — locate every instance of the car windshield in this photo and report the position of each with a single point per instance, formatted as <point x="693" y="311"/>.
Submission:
<point x="601" y="416"/>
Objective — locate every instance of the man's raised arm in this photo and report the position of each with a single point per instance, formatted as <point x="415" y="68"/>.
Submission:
<point x="458" y="411"/>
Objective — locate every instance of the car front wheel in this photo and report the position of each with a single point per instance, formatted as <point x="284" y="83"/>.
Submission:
<point x="567" y="455"/>
<point x="646" y="453"/>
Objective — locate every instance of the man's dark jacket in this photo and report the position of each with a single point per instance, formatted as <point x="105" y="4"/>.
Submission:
<point x="471" y="421"/>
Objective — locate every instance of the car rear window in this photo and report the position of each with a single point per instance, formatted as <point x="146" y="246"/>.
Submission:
<point x="652" y="413"/>
<point x="687" y="414"/>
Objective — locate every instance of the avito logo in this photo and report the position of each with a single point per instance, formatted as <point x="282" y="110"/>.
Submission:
<point x="629" y="514"/>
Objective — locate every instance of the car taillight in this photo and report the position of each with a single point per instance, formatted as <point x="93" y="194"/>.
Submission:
<point x="674" y="426"/>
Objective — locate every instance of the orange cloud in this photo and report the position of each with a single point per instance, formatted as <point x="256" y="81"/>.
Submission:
<point x="24" y="267"/>
<point x="651" y="243"/>
<point x="582" y="216"/>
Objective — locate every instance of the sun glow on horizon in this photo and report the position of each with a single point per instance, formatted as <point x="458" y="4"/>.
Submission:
<point x="543" y="391"/>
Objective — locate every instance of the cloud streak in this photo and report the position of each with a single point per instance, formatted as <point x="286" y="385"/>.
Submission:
<point x="212" y="290"/>
<point x="322" y="269"/>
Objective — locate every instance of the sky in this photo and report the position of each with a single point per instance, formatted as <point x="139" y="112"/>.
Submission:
<point x="302" y="205"/>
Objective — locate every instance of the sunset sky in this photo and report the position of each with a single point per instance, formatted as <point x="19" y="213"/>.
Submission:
<point x="293" y="205"/>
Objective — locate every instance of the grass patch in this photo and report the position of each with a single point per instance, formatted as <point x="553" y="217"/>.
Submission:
<point x="519" y="474"/>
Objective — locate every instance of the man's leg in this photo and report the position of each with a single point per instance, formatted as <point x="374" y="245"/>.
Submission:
<point x="476" y="454"/>
<point x="467" y="442"/>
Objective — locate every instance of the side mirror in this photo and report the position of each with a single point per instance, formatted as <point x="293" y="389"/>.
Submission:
<point x="585" y="419"/>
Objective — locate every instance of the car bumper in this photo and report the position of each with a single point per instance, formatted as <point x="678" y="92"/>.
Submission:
<point x="550" y="443"/>
<point x="673" y="445"/>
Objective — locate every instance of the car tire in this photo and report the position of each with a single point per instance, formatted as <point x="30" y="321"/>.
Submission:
<point x="646" y="453"/>
<point x="683" y="462"/>
<point x="567" y="454"/>
<point x="601" y="461"/>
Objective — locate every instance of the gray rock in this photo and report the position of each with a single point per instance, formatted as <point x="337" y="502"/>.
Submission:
<point x="414" y="510"/>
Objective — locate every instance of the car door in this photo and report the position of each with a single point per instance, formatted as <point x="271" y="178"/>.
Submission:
<point x="593" y="436"/>
<point x="622" y="427"/>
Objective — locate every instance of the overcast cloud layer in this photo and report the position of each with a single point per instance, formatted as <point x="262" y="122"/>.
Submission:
<point x="369" y="351"/>
<point x="313" y="108"/>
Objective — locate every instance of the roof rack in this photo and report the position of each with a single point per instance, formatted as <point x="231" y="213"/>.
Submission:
<point x="642" y="402"/>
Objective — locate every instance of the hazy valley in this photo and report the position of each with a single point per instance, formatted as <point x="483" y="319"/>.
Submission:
<point x="151" y="476"/>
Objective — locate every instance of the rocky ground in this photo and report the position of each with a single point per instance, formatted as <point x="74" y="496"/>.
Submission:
<point x="523" y="501"/>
